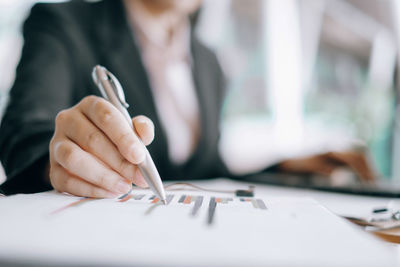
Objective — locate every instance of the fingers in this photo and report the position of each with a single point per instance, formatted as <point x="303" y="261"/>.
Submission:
<point x="326" y="163"/>
<point x="144" y="128"/>
<point x="357" y="162"/>
<point x="308" y="165"/>
<point x="82" y="164"/>
<point x="67" y="182"/>
<point x="113" y="124"/>
<point x="94" y="149"/>
<point x="82" y="132"/>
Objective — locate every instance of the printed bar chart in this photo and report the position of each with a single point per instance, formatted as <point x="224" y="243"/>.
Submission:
<point x="181" y="199"/>
<point x="198" y="201"/>
<point x="156" y="200"/>
<point x="211" y="210"/>
<point x="195" y="200"/>
<point x="73" y="204"/>
<point x="213" y="205"/>
<point x="126" y="197"/>
<point x="137" y="197"/>
<point x="257" y="203"/>
<point x="197" y="205"/>
<point x="223" y="200"/>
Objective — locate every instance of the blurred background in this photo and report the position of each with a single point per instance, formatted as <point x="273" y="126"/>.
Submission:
<point x="304" y="76"/>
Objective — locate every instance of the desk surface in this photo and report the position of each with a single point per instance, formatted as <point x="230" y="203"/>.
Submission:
<point x="338" y="203"/>
<point x="304" y="234"/>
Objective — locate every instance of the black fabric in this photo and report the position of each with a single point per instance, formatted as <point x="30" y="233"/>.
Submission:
<point x="63" y="42"/>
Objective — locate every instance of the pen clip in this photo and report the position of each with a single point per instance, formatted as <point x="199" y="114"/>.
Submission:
<point x="105" y="79"/>
<point x="117" y="88"/>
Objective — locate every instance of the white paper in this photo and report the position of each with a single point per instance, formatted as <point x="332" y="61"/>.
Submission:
<point x="290" y="232"/>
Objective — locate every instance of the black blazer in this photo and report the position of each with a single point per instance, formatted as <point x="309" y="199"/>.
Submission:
<point x="62" y="44"/>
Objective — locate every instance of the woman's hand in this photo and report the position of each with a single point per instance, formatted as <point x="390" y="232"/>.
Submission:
<point x="94" y="151"/>
<point x="325" y="164"/>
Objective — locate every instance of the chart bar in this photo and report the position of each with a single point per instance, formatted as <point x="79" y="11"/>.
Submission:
<point x="125" y="198"/>
<point x="73" y="204"/>
<point x="187" y="200"/>
<point x="257" y="203"/>
<point x="124" y="195"/>
<point x="157" y="203"/>
<point x="137" y="197"/>
<point x="169" y="198"/>
<point x="197" y="205"/>
<point x="254" y="202"/>
<point x="211" y="210"/>
<point x="261" y="204"/>
<point x="182" y="198"/>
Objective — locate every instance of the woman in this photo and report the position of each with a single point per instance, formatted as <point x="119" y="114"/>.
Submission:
<point x="167" y="74"/>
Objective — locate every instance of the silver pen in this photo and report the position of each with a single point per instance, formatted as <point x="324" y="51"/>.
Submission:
<point x="112" y="91"/>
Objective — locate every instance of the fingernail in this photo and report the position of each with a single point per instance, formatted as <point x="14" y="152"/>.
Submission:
<point x="138" y="153"/>
<point x="123" y="187"/>
<point x="142" y="121"/>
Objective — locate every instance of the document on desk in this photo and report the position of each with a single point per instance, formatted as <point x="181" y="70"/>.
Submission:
<point x="194" y="229"/>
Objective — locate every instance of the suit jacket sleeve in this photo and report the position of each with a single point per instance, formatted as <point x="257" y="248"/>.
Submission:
<point x="41" y="89"/>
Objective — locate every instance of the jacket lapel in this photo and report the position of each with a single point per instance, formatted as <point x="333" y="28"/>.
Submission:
<point x="121" y="55"/>
<point x="202" y="159"/>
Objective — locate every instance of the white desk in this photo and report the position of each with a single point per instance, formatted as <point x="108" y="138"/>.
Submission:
<point x="294" y="231"/>
<point x="341" y="204"/>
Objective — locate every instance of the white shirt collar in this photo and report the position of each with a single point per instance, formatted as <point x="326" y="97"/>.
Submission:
<point x="157" y="29"/>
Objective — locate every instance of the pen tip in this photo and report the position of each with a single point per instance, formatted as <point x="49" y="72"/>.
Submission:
<point x="164" y="202"/>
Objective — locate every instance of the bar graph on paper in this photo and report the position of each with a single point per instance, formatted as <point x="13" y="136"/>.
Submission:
<point x="196" y="202"/>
